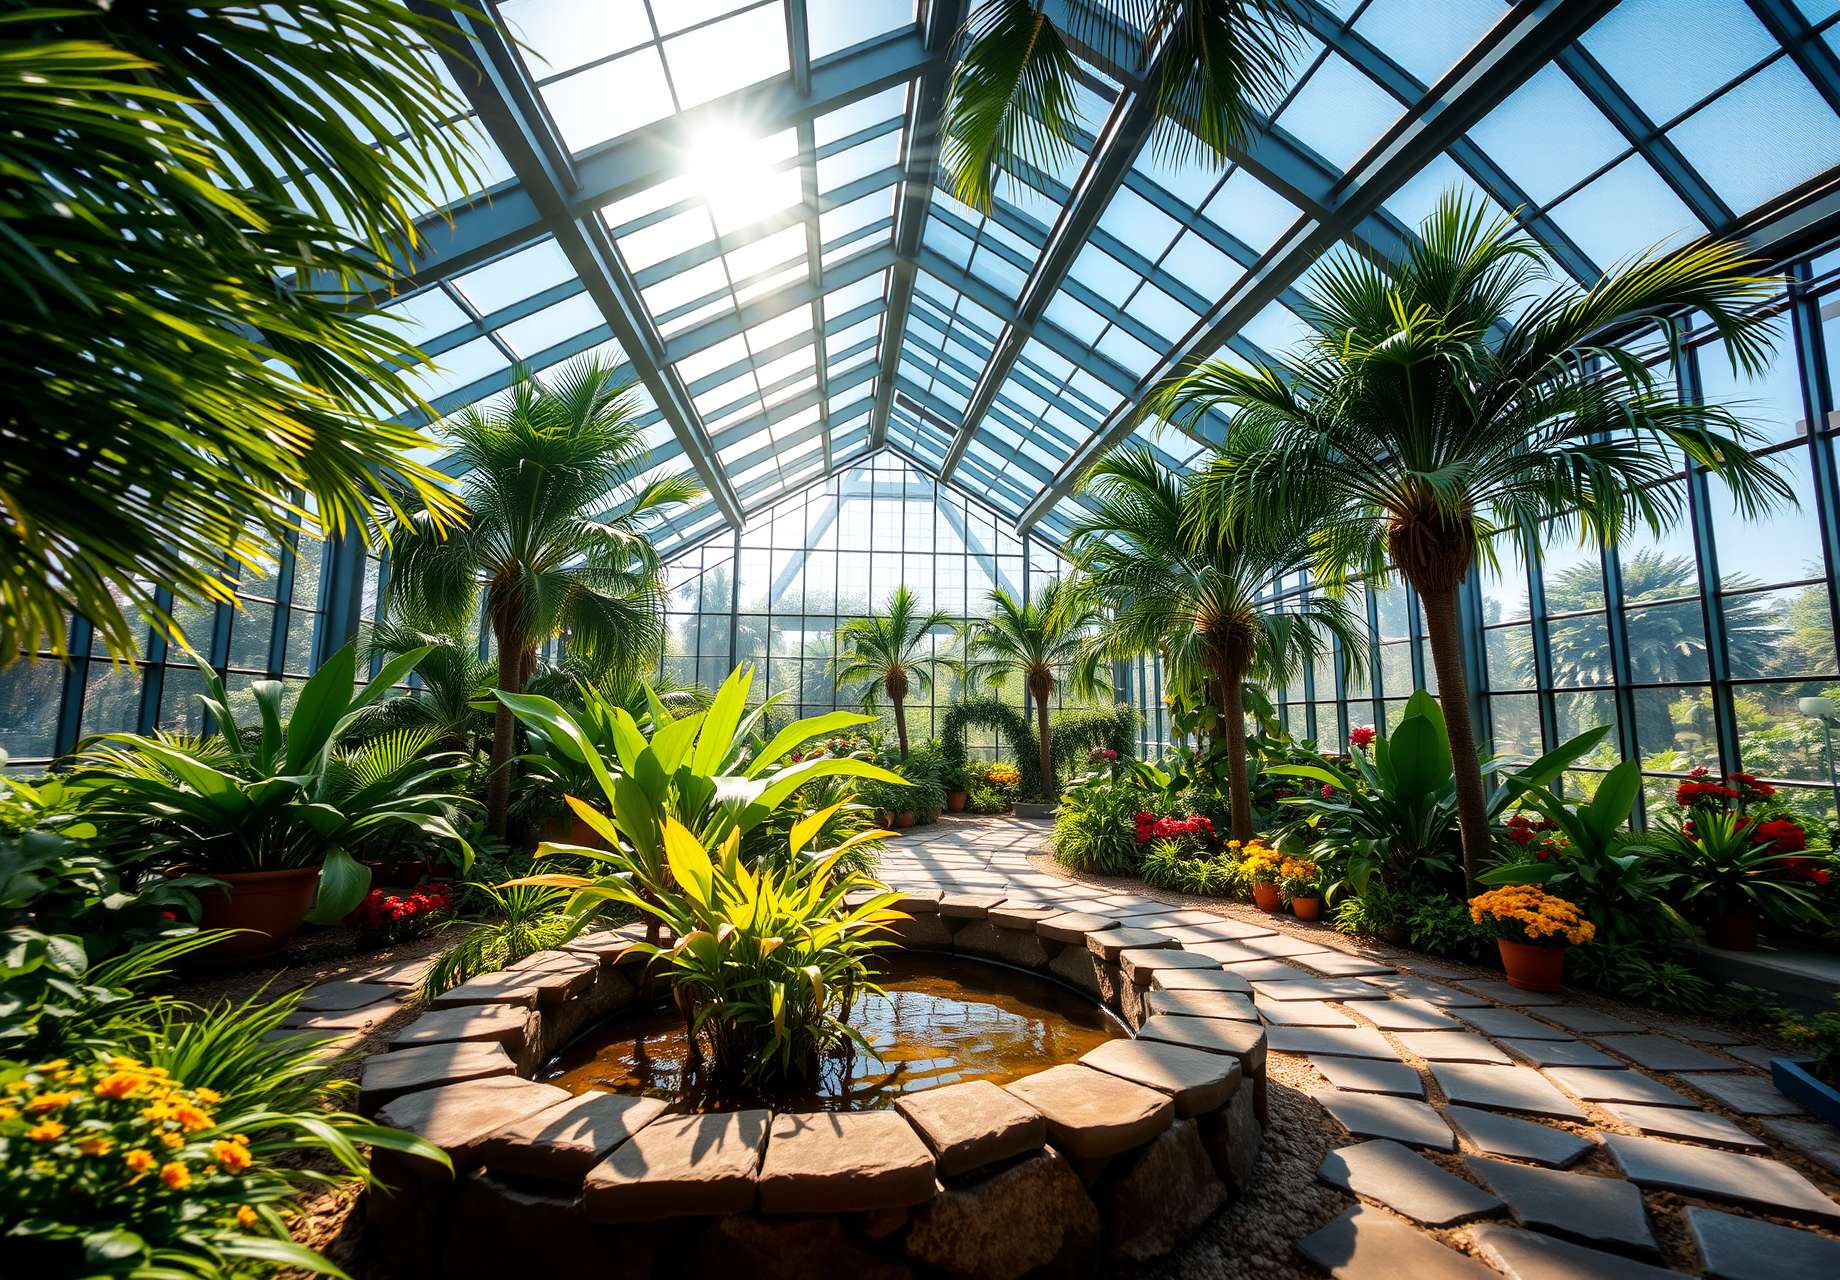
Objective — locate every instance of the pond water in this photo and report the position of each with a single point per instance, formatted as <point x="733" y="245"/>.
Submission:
<point x="943" y="1020"/>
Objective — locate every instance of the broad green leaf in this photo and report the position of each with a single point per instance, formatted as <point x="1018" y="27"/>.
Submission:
<point x="672" y="743"/>
<point x="807" y="827"/>
<point x="661" y="714"/>
<point x="391" y="674"/>
<point x="597" y="821"/>
<point x="1423" y="703"/>
<point x="1317" y="773"/>
<point x="343" y="882"/>
<point x="1521" y="873"/>
<point x="1547" y="769"/>
<point x="637" y="815"/>
<point x="628" y="742"/>
<point x="721" y="720"/>
<point x="1616" y="796"/>
<point x="563" y="732"/>
<point x="323" y="702"/>
<point x="786" y="781"/>
<point x="1419" y="756"/>
<point x="803" y="731"/>
<point x="689" y="863"/>
<point x="268" y="702"/>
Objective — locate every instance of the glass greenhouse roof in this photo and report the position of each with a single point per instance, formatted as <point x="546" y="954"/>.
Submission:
<point x="740" y="203"/>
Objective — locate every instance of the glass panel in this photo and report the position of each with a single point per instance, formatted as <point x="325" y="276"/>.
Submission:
<point x="1780" y="633"/>
<point x="1516" y="719"/>
<point x="1774" y="739"/>
<point x="111" y="699"/>
<point x="1578" y="712"/>
<point x="1580" y="651"/>
<point x="1666" y="643"/>
<point x="1510" y="657"/>
<point x="1674" y="729"/>
<point x="251" y="630"/>
<point x="29" y="693"/>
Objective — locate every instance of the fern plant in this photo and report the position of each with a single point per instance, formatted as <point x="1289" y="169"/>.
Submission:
<point x="525" y="918"/>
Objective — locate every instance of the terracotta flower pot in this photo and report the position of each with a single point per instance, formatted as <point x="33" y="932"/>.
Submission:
<point x="1307" y="908"/>
<point x="1532" y="968"/>
<point x="584" y="835"/>
<point x="905" y="818"/>
<point x="1736" y="929"/>
<point x="272" y="903"/>
<point x="1268" y="897"/>
<point x="955" y="801"/>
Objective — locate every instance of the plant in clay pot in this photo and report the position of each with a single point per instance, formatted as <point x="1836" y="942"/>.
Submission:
<point x="1532" y="928"/>
<point x="1263" y="869"/>
<point x="1299" y="879"/>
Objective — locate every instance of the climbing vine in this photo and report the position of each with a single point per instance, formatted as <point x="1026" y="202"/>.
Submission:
<point x="1071" y="735"/>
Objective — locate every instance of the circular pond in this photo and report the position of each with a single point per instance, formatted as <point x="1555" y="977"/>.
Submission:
<point x="942" y="1020"/>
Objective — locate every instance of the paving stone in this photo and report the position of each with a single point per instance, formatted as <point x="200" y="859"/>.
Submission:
<point x="969" y="906"/>
<point x="1243" y="1040"/>
<point x="1015" y="1221"/>
<point x="1200" y="980"/>
<point x="1201" y="1004"/>
<point x="1267" y="971"/>
<point x="1369" y="1244"/>
<point x="1073" y="926"/>
<point x="1501" y="1135"/>
<point x="1195" y="1080"/>
<point x="346" y="1019"/>
<point x="918" y="901"/>
<point x="458" y="1117"/>
<point x="1735" y="1248"/>
<point x="1451" y="1046"/>
<point x="1528" y="1255"/>
<point x="1700" y="1035"/>
<point x="1333" y="1041"/>
<point x="1406" y="1015"/>
<point x="1767" y="1185"/>
<point x="1406" y="1183"/>
<point x="844" y="1162"/>
<point x="973" y="1124"/>
<point x="1142" y="964"/>
<point x="1235" y="954"/>
<point x="390" y="1075"/>
<point x="1748" y="1095"/>
<point x="331" y="1044"/>
<point x="1430" y="992"/>
<point x="1154" y="1198"/>
<point x="1108" y="944"/>
<point x="564" y="1141"/>
<point x="1602" y="1212"/>
<point x="1815" y="1139"/>
<point x="679" y="1165"/>
<point x="404" y="973"/>
<point x="1377" y="1115"/>
<point x="1091" y="1114"/>
<point x="1616" y="1086"/>
<point x="1587" y="1021"/>
<point x="1302" y="1013"/>
<point x="1012" y="916"/>
<point x="1218" y="931"/>
<point x="1504" y="1089"/>
<point x="1561" y="1053"/>
<point x="1507" y="993"/>
<point x="1694" y="1126"/>
<point x="1338" y="965"/>
<point x="503" y="987"/>
<point x="1319" y="989"/>
<point x="1080" y="967"/>
<point x="329" y="997"/>
<point x="1433" y="969"/>
<point x="1281" y="945"/>
<point x="1664" y="1053"/>
<point x="1508" y="1023"/>
<point x="1756" y="1055"/>
<point x="1367" y="1075"/>
<point x="504" y="1024"/>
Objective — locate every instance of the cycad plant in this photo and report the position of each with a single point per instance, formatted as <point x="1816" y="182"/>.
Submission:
<point x="889" y="653"/>
<point x="1178" y="584"/>
<point x="553" y="536"/>
<point x="1214" y="66"/>
<point x="1441" y="400"/>
<point x="195" y="189"/>
<point x="1053" y="637"/>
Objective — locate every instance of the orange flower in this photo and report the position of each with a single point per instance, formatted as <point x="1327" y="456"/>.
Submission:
<point x="176" y="1176"/>
<point x="192" y="1118"/>
<point x="207" y="1095"/>
<point x="45" y="1131"/>
<point x="138" y="1160"/>
<point x="232" y="1156"/>
<point x="49" y="1101"/>
<point x="173" y="1139"/>
<point x="118" y="1084"/>
<point x="96" y="1146"/>
<point x="246" y="1215"/>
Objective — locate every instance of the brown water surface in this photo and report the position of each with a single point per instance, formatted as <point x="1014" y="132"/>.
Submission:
<point x="942" y="1020"/>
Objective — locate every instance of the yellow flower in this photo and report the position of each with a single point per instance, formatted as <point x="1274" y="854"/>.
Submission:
<point x="233" y="1156"/>
<point x="96" y="1146"/>
<point x="45" y="1131"/>
<point x="125" y="1064"/>
<point x="176" y="1176"/>
<point x="173" y="1140"/>
<point x="49" y="1101"/>
<point x="8" y="1113"/>
<point x="117" y="1084"/>
<point x="246" y="1215"/>
<point x="207" y="1095"/>
<point x="138" y="1160"/>
<point x="192" y="1118"/>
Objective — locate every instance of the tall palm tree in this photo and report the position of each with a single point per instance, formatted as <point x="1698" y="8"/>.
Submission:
<point x="888" y="651"/>
<point x="196" y="190"/>
<point x="1440" y="401"/>
<point x="1175" y="584"/>
<point x="1036" y="640"/>
<point x="1216" y="67"/>
<point x="553" y="537"/>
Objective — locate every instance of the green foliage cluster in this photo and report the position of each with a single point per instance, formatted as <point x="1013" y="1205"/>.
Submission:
<point x="1166" y="866"/>
<point x="1094" y="829"/>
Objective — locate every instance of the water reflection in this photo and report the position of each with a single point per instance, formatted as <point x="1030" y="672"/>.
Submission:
<point x="942" y="1020"/>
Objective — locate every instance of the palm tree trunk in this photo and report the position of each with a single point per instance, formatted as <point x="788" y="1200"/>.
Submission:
<point x="1047" y="756"/>
<point x="512" y="666"/>
<point x="1239" y="785"/>
<point x="1440" y="605"/>
<point x="900" y="724"/>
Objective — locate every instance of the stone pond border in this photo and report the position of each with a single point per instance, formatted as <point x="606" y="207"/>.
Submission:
<point x="1127" y="1151"/>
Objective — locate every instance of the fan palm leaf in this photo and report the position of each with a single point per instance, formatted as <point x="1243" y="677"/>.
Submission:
<point x="887" y="654"/>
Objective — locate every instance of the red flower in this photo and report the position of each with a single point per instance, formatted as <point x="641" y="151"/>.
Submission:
<point x="1362" y="735"/>
<point x="1327" y="791"/>
<point x="1781" y="836"/>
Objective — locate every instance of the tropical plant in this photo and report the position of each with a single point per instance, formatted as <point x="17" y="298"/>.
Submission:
<point x="452" y="699"/>
<point x="1440" y="401"/>
<point x="521" y="919"/>
<point x="266" y="164"/>
<point x="281" y="794"/>
<point x="889" y="653"/>
<point x="1167" y="865"/>
<point x="1037" y="640"/>
<point x="1152" y="553"/>
<point x="1216" y="66"/>
<point x="1718" y="866"/>
<point x="551" y="774"/>
<point x="1094" y="829"/>
<point x="554" y="512"/>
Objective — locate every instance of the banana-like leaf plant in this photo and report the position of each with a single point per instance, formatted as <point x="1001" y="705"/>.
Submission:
<point x="282" y="793"/>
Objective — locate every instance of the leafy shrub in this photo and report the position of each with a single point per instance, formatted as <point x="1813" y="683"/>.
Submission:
<point x="1605" y="963"/>
<point x="1751" y="1005"/>
<point x="984" y="798"/>
<point x="1819" y="1035"/>
<point x="1441" y="924"/>
<point x="524" y="920"/>
<point x="1664" y="984"/>
<point x="1166" y="866"/>
<point x="1375" y="908"/>
<point x="1095" y="829"/>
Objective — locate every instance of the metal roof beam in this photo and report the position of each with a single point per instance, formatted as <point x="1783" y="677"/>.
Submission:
<point x="924" y="118"/>
<point x="1527" y="37"/>
<point x="1810" y="51"/>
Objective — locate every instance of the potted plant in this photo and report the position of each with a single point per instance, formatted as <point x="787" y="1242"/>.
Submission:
<point x="957" y="783"/>
<point x="1299" y="879"/>
<point x="1532" y="928"/>
<point x="268" y="811"/>
<point x="1263" y="869"/>
<point x="1730" y="870"/>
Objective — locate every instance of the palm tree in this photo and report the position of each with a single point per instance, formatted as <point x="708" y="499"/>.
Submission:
<point x="1216" y="68"/>
<point x="1175" y="585"/>
<point x="554" y="513"/>
<point x="454" y="679"/>
<point x="1440" y="401"/>
<point x="1036" y="639"/>
<point x="195" y="194"/>
<point x="889" y="652"/>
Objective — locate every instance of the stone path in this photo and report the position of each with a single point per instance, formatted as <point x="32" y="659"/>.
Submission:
<point x="1569" y="1141"/>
